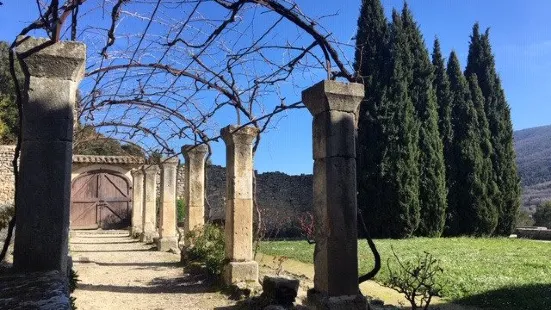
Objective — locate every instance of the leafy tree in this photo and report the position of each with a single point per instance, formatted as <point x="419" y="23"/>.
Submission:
<point x="90" y="142"/>
<point x="471" y="211"/>
<point x="9" y="119"/>
<point x="432" y="179"/>
<point x="482" y="63"/>
<point x="524" y="219"/>
<point x="542" y="216"/>
<point x="370" y="63"/>
<point x="399" y="174"/>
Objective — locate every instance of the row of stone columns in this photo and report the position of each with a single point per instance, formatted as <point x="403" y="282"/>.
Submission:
<point x="52" y="74"/>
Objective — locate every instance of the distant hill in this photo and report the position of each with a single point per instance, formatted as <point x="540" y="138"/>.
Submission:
<point x="533" y="148"/>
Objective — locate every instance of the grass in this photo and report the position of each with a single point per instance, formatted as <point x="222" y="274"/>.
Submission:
<point x="492" y="273"/>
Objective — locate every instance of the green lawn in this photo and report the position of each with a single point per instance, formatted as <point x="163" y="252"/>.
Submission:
<point x="494" y="273"/>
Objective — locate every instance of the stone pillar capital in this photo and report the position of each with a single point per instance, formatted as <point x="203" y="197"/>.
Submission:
<point x="151" y="169"/>
<point x="136" y="172"/>
<point x="234" y="135"/>
<point x="331" y="95"/>
<point x="194" y="151"/>
<point x="171" y="161"/>
<point x="44" y="58"/>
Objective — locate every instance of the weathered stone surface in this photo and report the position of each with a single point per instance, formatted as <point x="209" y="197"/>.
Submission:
<point x="238" y="229"/>
<point x="239" y="205"/>
<point x="41" y="241"/>
<point x="333" y="96"/>
<point x="334" y="107"/>
<point x="321" y="301"/>
<point x="194" y="195"/>
<point x="52" y="74"/>
<point x="38" y="290"/>
<point x="334" y="134"/>
<point x="62" y="60"/>
<point x="280" y="290"/>
<point x="167" y="223"/>
<point x="242" y="272"/>
<point x="7" y="181"/>
<point x="137" y="202"/>
<point x="150" y="204"/>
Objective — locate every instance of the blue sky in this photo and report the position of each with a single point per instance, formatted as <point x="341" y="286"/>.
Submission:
<point x="521" y="41"/>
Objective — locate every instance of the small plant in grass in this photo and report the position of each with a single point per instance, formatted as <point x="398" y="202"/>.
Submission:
<point x="417" y="279"/>
<point x="207" y="248"/>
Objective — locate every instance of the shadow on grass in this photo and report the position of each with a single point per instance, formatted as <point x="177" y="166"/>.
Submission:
<point x="526" y="297"/>
<point x="187" y="284"/>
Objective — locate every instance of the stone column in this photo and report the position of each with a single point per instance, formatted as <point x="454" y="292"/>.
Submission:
<point x="334" y="106"/>
<point x="167" y="225"/>
<point x="52" y="75"/>
<point x="137" y="202"/>
<point x="239" y="205"/>
<point x="194" y="195"/>
<point x="150" y="204"/>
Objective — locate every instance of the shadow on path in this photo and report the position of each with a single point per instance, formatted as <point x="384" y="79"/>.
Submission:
<point x="186" y="285"/>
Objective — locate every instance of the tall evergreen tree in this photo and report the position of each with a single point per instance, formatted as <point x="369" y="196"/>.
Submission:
<point x="482" y="63"/>
<point x="471" y="211"/>
<point x="486" y="147"/>
<point x="370" y="61"/>
<point x="399" y="174"/>
<point x="432" y="183"/>
<point x="444" y="102"/>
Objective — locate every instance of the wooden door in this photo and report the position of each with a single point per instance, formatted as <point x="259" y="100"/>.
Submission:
<point x="100" y="199"/>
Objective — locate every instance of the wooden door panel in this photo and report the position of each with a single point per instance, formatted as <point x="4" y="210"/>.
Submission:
<point x="84" y="215"/>
<point x="100" y="199"/>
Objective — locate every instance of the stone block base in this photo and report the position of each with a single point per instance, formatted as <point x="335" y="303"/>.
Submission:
<point x="135" y="232"/>
<point x="148" y="237"/>
<point x="320" y="301"/>
<point x="241" y="272"/>
<point x="167" y="243"/>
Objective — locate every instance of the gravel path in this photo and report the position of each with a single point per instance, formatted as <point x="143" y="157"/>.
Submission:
<point x="117" y="272"/>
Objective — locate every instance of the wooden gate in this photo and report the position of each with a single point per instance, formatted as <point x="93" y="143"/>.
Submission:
<point x="100" y="199"/>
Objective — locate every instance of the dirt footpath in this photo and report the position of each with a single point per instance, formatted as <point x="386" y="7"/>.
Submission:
<point x="117" y="272"/>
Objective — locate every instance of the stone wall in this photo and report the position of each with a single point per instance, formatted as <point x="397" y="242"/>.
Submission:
<point x="7" y="186"/>
<point x="282" y="198"/>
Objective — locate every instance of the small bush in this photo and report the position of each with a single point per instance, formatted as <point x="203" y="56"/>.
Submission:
<point x="416" y="279"/>
<point x="181" y="210"/>
<point x="524" y="219"/>
<point x="207" y="247"/>
<point x="542" y="216"/>
<point x="6" y="213"/>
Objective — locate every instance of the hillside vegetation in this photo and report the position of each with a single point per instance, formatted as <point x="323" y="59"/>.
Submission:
<point x="533" y="147"/>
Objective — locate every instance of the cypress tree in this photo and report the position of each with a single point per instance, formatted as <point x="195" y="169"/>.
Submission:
<point x="399" y="174"/>
<point x="432" y="184"/>
<point x="482" y="63"/>
<point x="370" y="63"/>
<point x="444" y="102"/>
<point x="471" y="211"/>
<point x="487" y="173"/>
